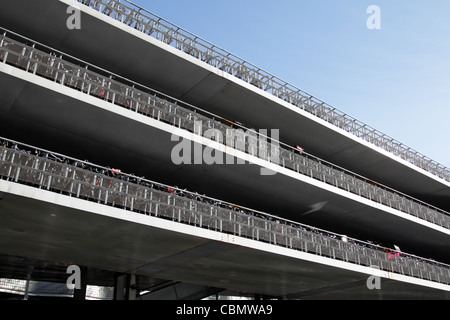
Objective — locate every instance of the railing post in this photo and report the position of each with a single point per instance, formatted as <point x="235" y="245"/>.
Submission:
<point x="78" y="189"/>
<point x="17" y="174"/>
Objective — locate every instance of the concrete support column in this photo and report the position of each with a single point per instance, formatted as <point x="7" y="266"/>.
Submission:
<point x="125" y="287"/>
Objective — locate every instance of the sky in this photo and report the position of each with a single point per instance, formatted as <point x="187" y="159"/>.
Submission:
<point x="395" y="79"/>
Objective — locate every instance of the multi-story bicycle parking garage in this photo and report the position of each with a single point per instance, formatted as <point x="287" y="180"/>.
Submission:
<point x="88" y="104"/>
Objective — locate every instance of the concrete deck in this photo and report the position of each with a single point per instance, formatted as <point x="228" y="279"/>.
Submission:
<point x="45" y="225"/>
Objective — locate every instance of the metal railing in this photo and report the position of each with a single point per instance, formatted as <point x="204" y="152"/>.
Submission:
<point x="144" y="21"/>
<point x="20" y="163"/>
<point x="51" y="289"/>
<point x="106" y="86"/>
